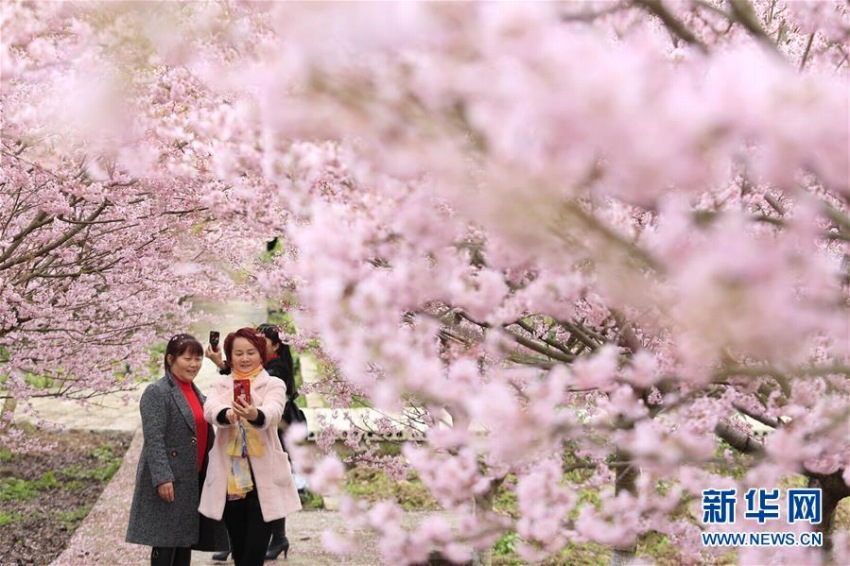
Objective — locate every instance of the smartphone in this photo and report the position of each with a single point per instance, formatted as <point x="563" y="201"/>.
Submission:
<point x="242" y="387"/>
<point x="214" y="336"/>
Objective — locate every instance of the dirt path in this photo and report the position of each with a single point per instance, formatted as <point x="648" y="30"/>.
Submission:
<point x="100" y="538"/>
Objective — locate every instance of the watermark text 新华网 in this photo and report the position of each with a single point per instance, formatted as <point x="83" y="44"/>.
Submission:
<point x="763" y="507"/>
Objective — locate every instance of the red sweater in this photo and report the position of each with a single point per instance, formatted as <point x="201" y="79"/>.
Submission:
<point x="200" y="422"/>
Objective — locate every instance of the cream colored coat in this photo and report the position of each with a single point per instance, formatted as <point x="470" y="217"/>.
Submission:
<point x="272" y="472"/>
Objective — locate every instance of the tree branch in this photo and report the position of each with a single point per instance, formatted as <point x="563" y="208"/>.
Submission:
<point x="738" y="439"/>
<point x="52" y="246"/>
<point x="763" y="419"/>
<point x="677" y="28"/>
<point x="590" y="15"/>
<point x="523" y="341"/>
<point x="805" y="57"/>
<point x="525" y="326"/>
<point x="745" y="15"/>
<point x="41" y="219"/>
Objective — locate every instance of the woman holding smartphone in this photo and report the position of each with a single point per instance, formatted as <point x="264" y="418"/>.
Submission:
<point x="249" y="481"/>
<point x="278" y="363"/>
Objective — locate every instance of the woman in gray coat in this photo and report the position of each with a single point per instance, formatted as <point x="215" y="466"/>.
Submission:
<point x="172" y="466"/>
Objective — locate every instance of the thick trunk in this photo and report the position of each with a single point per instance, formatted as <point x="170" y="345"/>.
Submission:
<point x="625" y="480"/>
<point x="833" y="490"/>
<point x="484" y="506"/>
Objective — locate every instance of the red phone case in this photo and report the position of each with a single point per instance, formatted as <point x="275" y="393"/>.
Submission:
<point x="242" y="387"/>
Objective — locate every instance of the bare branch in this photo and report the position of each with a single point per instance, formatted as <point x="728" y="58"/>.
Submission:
<point x="763" y="419"/>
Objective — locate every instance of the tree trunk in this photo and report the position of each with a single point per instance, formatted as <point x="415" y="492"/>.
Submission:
<point x="625" y="480"/>
<point x="484" y="504"/>
<point x="833" y="490"/>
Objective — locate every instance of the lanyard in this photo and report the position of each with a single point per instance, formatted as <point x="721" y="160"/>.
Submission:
<point x="244" y="440"/>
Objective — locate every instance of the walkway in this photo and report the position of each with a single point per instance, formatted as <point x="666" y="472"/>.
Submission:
<point x="100" y="537"/>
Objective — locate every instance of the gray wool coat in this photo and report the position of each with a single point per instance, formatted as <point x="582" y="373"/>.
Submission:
<point x="169" y="454"/>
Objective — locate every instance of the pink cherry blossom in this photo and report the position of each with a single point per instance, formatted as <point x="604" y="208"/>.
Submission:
<point x="543" y="241"/>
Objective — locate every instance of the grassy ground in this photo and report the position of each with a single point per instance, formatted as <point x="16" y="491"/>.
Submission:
<point x="411" y="494"/>
<point x="48" y="483"/>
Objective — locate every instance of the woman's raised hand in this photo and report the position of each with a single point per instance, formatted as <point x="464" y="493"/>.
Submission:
<point x="245" y="409"/>
<point x="214" y="356"/>
<point x="231" y="416"/>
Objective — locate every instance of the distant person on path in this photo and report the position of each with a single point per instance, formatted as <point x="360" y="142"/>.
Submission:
<point x="250" y="480"/>
<point x="173" y="463"/>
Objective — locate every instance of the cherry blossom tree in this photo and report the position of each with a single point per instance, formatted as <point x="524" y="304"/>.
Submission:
<point x="97" y="208"/>
<point x="601" y="231"/>
<point x="583" y="246"/>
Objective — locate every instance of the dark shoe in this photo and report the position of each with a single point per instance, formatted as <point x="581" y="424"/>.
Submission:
<point x="221" y="556"/>
<point x="276" y="546"/>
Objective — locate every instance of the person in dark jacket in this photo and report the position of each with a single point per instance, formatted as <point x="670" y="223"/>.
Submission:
<point x="279" y="364"/>
<point x="172" y="465"/>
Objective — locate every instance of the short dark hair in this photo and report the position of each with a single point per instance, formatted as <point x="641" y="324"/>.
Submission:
<point x="178" y="345"/>
<point x="251" y="335"/>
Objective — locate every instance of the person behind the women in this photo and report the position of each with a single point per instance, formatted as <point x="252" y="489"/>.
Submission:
<point x="172" y="465"/>
<point x="249" y="481"/>
<point x="279" y="358"/>
<point x="279" y="364"/>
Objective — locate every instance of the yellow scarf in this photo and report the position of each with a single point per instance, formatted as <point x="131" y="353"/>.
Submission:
<point x="245" y="441"/>
<point x="250" y="375"/>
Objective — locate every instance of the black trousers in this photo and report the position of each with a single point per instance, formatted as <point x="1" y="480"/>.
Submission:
<point x="249" y="534"/>
<point x="171" y="556"/>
